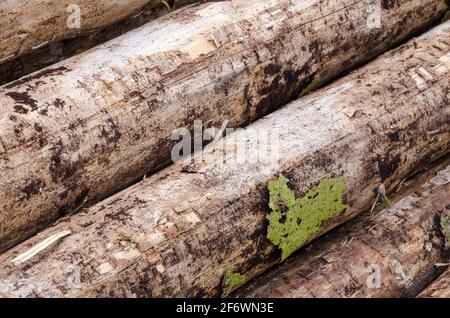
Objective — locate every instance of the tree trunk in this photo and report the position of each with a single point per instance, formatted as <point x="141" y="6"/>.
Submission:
<point x="177" y="232"/>
<point x="388" y="254"/>
<point x="92" y="125"/>
<point x="30" y="56"/>
<point x="28" y="25"/>
<point x="439" y="289"/>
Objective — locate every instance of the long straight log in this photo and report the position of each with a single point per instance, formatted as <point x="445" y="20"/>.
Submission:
<point x="388" y="254"/>
<point x="88" y="127"/>
<point x="29" y="48"/>
<point x="438" y="289"/>
<point x="26" y="26"/>
<point x="179" y="231"/>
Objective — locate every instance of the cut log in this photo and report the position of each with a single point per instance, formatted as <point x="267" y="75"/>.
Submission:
<point x="22" y="57"/>
<point x="438" y="289"/>
<point x="33" y="24"/>
<point x="179" y="231"/>
<point x="92" y="125"/>
<point x="388" y="254"/>
<point x="39" y="22"/>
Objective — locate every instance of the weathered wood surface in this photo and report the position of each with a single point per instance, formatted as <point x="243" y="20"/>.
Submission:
<point x="177" y="232"/>
<point x="90" y="126"/>
<point x="61" y="45"/>
<point x="387" y="254"/>
<point x="29" y="24"/>
<point x="438" y="289"/>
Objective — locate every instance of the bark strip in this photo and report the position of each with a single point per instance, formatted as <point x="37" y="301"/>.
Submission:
<point x="179" y="231"/>
<point x="388" y="254"/>
<point x="88" y="127"/>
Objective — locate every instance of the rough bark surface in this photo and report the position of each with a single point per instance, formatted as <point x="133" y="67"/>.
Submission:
<point x="90" y="126"/>
<point x="401" y="244"/>
<point x="28" y="24"/>
<point x="438" y="289"/>
<point x="177" y="232"/>
<point x="31" y="57"/>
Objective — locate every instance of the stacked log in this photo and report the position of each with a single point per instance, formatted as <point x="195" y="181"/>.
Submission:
<point x="81" y="130"/>
<point x="390" y="254"/>
<point x="41" y="33"/>
<point x="195" y="229"/>
<point x="33" y="24"/>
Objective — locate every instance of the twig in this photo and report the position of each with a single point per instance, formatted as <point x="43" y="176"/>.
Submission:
<point x="375" y="203"/>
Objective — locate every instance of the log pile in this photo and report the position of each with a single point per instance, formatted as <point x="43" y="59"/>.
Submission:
<point x="92" y="125"/>
<point x="336" y="111"/>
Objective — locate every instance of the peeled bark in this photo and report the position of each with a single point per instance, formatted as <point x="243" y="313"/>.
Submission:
<point x="388" y="254"/>
<point x="31" y="56"/>
<point x="28" y="25"/>
<point x="92" y="125"/>
<point x="438" y="289"/>
<point x="177" y="232"/>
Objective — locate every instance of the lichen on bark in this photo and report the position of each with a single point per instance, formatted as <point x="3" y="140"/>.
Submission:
<point x="293" y="221"/>
<point x="232" y="280"/>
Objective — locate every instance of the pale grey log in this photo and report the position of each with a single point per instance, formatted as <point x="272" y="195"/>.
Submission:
<point x="177" y="232"/>
<point x="92" y="125"/>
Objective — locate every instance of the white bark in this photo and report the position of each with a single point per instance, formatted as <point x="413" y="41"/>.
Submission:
<point x="177" y="232"/>
<point x="90" y="126"/>
<point x="47" y="40"/>
<point x="26" y="25"/>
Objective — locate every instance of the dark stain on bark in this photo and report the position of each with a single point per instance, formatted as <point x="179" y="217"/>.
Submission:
<point x="40" y="135"/>
<point x="38" y="127"/>
<point x="437" y="231"/>
<point x="20" y="109"/>
<point x="23" y="98"/>
<point x="43" y="73"/>
<point x="394" y="135"/>
<point x="388" y="165"/>
<point x="59" y="103"/>
<point x="283" y="88"/>
<point x="111" y="132"/>
<point x="272" y="69"/>
<point x="351" y="288"/>
<point x="389" y="4"/>
<point x="77" y="202"/>
<point x="59" y="169"/>
<point x="33" y="188"/>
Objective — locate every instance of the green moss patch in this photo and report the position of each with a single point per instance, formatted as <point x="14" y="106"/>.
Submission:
<point x="445" y="228"/>
<point x="293" y="221"/>
<point x="232" y="280"/>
